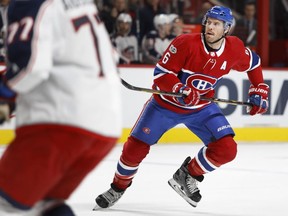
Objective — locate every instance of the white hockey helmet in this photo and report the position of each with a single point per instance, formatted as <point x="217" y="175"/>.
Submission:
<point x="161" y="19"/>
<point x="124" y="17"/>
<point x="172" y="17"/>
<point x="123" y="24"/>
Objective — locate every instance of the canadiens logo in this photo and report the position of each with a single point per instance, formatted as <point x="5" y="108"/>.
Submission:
<point x="146" y="130"/>
<point x="173" y="49"/>
<point x="201" y="82"/>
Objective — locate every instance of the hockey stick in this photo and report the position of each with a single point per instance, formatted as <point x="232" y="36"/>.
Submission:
<point x="173" y="94"/>
<point x="153" y="91"/>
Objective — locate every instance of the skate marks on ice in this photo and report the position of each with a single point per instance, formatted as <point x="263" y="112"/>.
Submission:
<point x="254" y="184"/>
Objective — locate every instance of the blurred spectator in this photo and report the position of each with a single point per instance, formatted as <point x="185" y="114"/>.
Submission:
<point x="172" y="16"/>
<point x="173" y="6"/>
<point x="177" y="24"/>
<point x="156" y="41"/>
<point x="109" y="13"/>
<point x="281" y="19"/>
<point x="125" y="42"/>
<point x="2" y="35"/>
<point x="146" y="16"/>
<point x="235" y="5"/>
<point x="133" y="10"/>
<point x="204" y="8"/>
<point x="246" y="27"/>
<point x="179" y="7"/>
<point x="99" y="4"/>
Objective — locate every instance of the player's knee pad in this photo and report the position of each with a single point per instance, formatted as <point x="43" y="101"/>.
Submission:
<point x="222" y="151"/>
<point x="134" y="151"/>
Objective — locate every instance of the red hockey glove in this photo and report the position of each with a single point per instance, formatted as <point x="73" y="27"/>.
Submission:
<point x="191" y="97"/>
<point x="258" y="96"/>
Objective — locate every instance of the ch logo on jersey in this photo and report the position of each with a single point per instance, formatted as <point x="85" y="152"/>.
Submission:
<point x="201" y="82"/>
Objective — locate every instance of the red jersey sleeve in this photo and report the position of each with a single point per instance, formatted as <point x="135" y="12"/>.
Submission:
<point x="243" y="57"/>
<point x="171" y="63"/>
<point x="175" y="55"/>
<point x="249" y="62"/>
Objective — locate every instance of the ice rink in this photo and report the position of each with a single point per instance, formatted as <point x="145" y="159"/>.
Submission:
<point x="254" y="184"/>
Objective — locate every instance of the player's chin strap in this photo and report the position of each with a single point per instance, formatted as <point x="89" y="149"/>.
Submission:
<point x="223" y="36"/>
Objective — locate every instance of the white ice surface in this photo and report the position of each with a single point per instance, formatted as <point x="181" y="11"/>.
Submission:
<point x="254" y="184"/>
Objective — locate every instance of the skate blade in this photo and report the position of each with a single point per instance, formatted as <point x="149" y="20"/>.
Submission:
<point x="175" y="186"/>
<point x="96" y="208"/>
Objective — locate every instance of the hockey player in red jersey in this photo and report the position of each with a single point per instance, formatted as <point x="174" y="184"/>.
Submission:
<point x="192" y="64"/>
<point x="62" y="72"/>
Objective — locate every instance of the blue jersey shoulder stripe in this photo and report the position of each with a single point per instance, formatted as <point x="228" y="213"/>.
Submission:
<point x="255" y="60"/>
<point x="158" y="71"/>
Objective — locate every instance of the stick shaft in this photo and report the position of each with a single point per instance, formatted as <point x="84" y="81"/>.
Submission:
<point x="173" y="94"/>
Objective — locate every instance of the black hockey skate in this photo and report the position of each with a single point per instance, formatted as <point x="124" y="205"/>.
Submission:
<point x="108" y="198"/>
<point x="186" y="185"/>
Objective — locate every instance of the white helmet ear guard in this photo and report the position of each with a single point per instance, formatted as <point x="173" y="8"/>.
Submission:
<point x="172" y="17"/>
<point x="161" y="19"/>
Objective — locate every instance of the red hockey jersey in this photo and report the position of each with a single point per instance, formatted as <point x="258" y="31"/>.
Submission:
<point x="188" y="61"/>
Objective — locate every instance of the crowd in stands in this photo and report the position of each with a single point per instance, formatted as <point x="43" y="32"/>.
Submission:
<point x="142" y="29"/>
<point x="146" y="27"/>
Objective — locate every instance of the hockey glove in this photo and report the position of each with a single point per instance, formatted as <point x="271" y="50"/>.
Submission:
<point x="7" y="100"/>
<point x="6" y="110"/>
<point x="6" y="94"/>
<point x="191" y="97"/>
<point x="258" y="97"/>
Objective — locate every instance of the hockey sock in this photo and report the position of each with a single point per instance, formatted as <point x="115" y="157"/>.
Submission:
<point x="134" y="151"/>
<point x="213" y="156"/>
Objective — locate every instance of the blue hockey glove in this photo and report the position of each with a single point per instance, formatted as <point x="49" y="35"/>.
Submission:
<point x="258" y="96"/>
<point x="191" y="97"/>
<point x="6" y="94"/>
